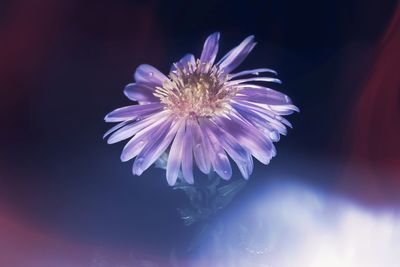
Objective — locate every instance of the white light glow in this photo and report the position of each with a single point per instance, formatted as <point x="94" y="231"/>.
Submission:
<point x="291" y="226"/>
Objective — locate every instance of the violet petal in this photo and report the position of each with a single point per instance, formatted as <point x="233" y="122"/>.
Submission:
<point x="149" y="134"/>
<point x="249" y="110"/>
<point x="252" y="72"/>
<point x="236" y="56"/>
<point x="132" y="112"/>
<point x="210" y="49"/>
<point x="116" y="127"/>
<point x="153" y="150"/>
<point x="184" y="62"/>
<point x="200" y="151"/>
<point x="140" y="92"/>
<point x="234" y="149"/>
<point x="131" y="129"/>
<point x="175" y="155"/>
<point x="148" y="74"/>
<point x="219" y="159"/>
<point x="248" y="136"/>
<point x="187" y="156"/>
<point x="254" y="79"/>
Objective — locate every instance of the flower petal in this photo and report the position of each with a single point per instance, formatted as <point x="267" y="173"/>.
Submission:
<point x="132" y="112"/>
<point x="200" y="151"/>
<point x="273" y="111"/>
<point x="210" y="50"/>
<point x="257" y="89"/>
<point x="136" y="126"/>
<point x="248" y="136"/>
<point x="236" y="56"/>
<point x="266" y="127"/>
<point x="262" y="96"/>
<point x="252" y="111"/>
<point x="143" y="93"/>
<point x="175" y="155"/>
<point x="143" y="137"/>
<point x="153" y="150"/>
<point x="148" y="74"/>
<point x="253" y="72"/>
<point x="284" y="109"/>
<point x="116" y="127"/>
<point x="240" y="155"/>
<point x="219" y="159"/>
<point x="187" y="154"/>
<point x="254" y="79"/>
<point x="184" y="62"/>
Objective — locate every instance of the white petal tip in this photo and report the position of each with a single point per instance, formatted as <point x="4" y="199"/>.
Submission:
<point x="225" y="175"/>
<point x="111" y="141"/>
<point x="250" y="37"/>
<point x="171" y="182"/>
<point x="137" y="172"/>
<point x="189" y="180"/>
<point x="126" y="94"/>
<point x="124" y="158"/>
<point x="110" y="118"/>
<point x="266" y="161"/>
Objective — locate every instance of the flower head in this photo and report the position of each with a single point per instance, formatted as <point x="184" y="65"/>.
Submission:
<point x="201" y="113"/>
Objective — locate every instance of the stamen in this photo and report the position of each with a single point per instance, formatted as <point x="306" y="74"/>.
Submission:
<point x="192" y="91"/>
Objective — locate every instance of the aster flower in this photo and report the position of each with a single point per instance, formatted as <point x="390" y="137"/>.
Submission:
<point x="201" y="114"/>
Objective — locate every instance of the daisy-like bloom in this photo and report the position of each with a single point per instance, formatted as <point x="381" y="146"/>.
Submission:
<point x="202" y="113"/>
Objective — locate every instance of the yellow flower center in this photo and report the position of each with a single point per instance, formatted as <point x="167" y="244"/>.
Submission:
<point x="196" y="90"/>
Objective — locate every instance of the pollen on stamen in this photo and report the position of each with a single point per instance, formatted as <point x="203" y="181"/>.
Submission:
<point x="191" y="91"/>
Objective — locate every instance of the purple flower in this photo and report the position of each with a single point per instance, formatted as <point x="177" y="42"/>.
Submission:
<point x="201" y="113"/>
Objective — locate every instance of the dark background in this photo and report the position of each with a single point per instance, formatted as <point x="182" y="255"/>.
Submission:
<point x="63" y="66"/>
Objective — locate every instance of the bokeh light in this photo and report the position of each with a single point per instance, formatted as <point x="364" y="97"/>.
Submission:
<point x="290" y="225"/>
